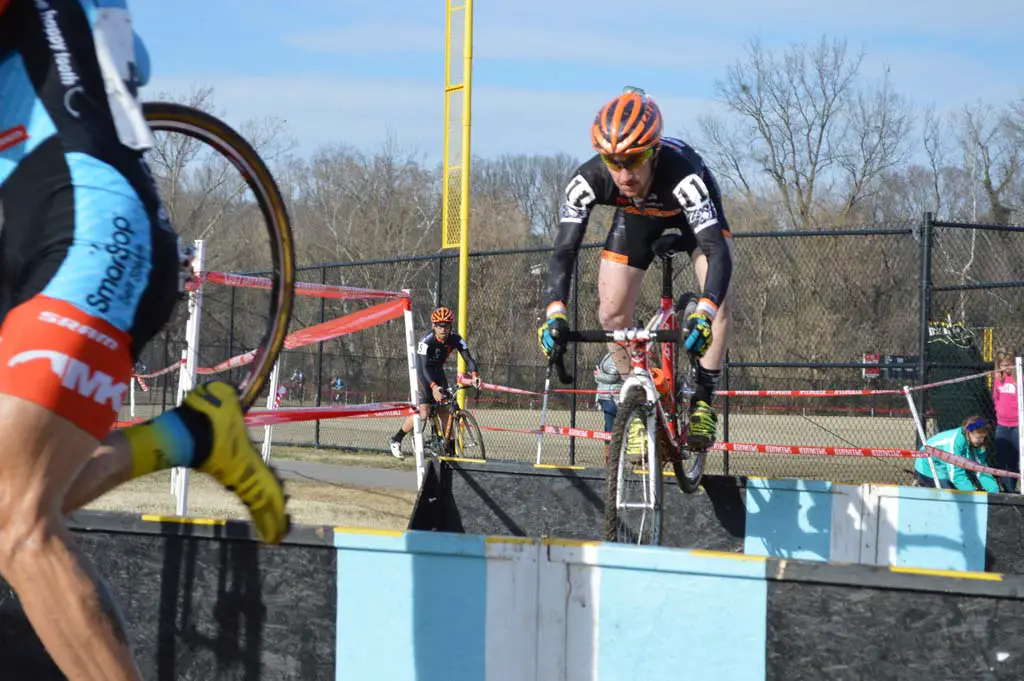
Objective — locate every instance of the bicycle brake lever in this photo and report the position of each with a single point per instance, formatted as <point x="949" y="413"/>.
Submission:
<point x="558" y="360"/>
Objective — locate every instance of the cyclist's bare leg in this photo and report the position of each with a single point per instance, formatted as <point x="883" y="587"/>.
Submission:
<point x="618" y="287"/>
<point x="443" y="414"/>
<point x="110" y="466"/>
<point x="62" y="595"/>
<point x="722" y="323"/>
<point x="424" y="418"/>
<point x="407" y="424"/>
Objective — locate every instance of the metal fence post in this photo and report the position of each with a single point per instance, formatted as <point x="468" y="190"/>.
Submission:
<point x="575" y="357"/>
<point x="166" y="378"/>
<point x="320" y="362"/>
<point x="725" y="412"/>
<point x="231" y="329"/>
<point x="440" y="280"/>
<point x="925" y="311"/>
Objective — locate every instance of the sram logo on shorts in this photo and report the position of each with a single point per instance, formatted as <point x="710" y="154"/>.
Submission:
<point x="78" y="376"/>
<point x="72" y="325"/>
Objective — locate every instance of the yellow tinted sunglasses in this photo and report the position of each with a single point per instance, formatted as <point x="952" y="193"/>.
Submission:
<point x="630" y="162"/>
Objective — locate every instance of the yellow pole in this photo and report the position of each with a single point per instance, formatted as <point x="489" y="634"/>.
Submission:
<point x="467" y="69"/>
<point x="987" y="351"/>
<point x="445" y="205"/>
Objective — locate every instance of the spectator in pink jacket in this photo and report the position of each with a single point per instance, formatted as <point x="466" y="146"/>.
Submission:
<point x="1004" y="395"/>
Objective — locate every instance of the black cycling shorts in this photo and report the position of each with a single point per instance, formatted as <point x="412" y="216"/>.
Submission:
<point x="632" y="236"/>
<point x="427" y="395"/>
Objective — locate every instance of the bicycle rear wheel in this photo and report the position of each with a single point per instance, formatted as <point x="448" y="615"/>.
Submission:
<point x="199" y="125"/>
<point x="433" y="437"/>
<point x="469" y="441"/>
<point x="633" y="485"/>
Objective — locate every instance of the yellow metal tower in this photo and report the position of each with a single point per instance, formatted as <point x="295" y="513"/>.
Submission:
<point x="455" y="199"/>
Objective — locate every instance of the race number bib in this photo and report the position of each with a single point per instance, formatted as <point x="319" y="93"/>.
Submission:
<point x="695" y="199"/>
<point x="115" y="51"/>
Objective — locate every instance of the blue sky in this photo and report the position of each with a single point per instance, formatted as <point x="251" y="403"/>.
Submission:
<point x="356" y="72"/>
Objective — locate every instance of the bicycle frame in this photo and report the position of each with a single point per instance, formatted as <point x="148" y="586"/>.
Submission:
<point x="453" y="407"/>
<point x="639" y="350"/>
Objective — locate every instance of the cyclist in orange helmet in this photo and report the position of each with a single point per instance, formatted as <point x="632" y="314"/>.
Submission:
<point x="655" y="183"/>
<point x="431" y="353"/>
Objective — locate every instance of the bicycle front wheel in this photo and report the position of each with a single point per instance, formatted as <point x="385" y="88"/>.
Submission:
<point x="469" y="441"/>
<point x="687" y="464"/>
<point x="633" y="486"/>
<point x="211" y="131"/>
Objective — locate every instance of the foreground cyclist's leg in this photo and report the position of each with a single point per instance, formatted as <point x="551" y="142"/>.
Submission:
<point x="703" y="422"/>
<point x="626" y="256"/>
<point x="63" y="597"/>
<point x="618" y="287"/>
<point x="64" y="367"/>
<point x="207" y="433"/>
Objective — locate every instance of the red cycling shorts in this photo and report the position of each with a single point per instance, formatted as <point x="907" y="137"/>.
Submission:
<point x="75" y="365"/>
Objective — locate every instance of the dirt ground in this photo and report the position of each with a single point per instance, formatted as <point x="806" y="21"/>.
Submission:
<point x="315" y="503"/>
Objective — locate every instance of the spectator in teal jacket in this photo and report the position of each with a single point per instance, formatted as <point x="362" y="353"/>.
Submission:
<point x="969" y="441"/>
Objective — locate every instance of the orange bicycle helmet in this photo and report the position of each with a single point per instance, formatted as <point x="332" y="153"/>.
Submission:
<point x="442" y="315"/>
<point x="629" y="124"/>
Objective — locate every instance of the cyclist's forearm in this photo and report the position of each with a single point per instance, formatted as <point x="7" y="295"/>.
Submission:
<point x="719" y="273"/>
<point x="560" y="266"/>
<point x="470" y="362"/>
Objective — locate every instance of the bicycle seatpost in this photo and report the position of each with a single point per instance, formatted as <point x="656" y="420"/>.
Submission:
<point x="666" y="276"/>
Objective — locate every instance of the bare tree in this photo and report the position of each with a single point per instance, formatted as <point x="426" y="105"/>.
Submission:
<point x="991" y="145"/>
<point x="800" y="127"/>
<point x="533" y="184"/>
<point x="205" y="196"/>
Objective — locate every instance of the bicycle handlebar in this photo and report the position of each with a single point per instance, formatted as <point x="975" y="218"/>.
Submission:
<point x="462" y="386"/>
<point x="619" y="335"/>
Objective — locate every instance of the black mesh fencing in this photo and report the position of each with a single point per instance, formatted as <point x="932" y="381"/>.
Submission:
<point x="831" y="309"/>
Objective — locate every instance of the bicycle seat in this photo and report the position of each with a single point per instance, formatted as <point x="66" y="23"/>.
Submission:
<point x="667" y="245"/>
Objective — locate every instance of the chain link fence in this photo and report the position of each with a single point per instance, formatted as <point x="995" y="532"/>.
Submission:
<point x="833" y="309"/>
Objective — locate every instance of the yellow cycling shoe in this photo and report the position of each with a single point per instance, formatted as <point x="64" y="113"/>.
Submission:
<point x="236" y="464"/>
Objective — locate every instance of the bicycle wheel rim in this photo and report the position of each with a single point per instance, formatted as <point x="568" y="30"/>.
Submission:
<point x="689" y="470"/>
<point x="619" y="526"/>
<point x="465" y="423"/>
<point x="199" y="125"/>
<point x="645" y="529"/>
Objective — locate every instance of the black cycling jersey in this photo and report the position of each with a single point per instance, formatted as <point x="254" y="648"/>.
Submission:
<point x="683" y="195"/>
<point x="431" y="354"/>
